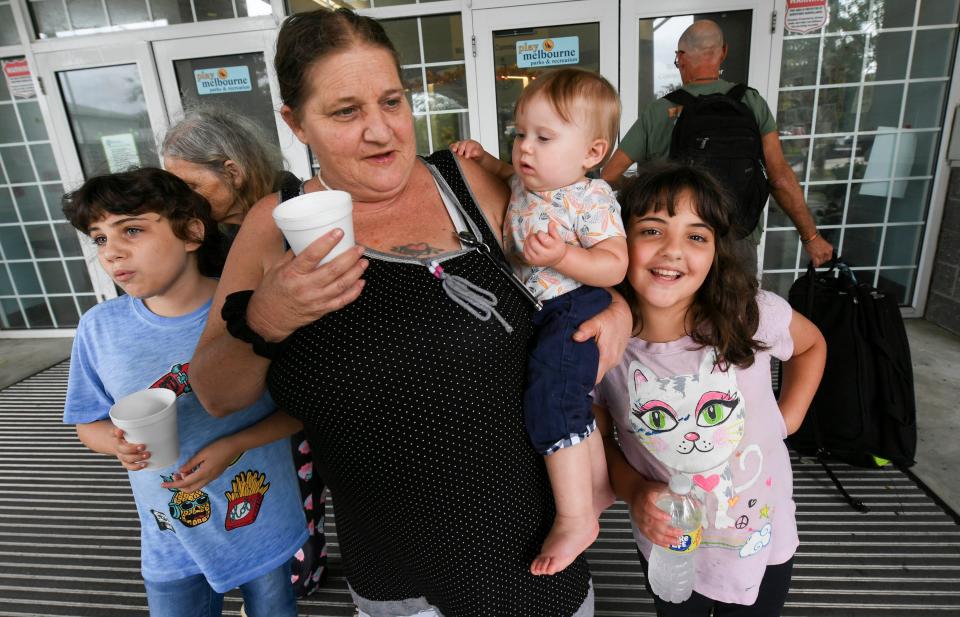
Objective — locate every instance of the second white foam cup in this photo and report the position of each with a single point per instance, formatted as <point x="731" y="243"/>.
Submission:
<point x="150" y="417"/>
<point x="305" y="218"/>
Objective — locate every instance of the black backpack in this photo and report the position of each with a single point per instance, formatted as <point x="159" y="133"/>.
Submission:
<point x="720" y="133"/>
<point x="865" y="406"/>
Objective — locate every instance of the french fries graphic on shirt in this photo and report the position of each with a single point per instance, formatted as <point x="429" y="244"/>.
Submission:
<point x="245" y="498"/>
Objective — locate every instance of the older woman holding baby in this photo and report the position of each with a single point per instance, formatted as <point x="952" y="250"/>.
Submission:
<point x="404" y="356"/>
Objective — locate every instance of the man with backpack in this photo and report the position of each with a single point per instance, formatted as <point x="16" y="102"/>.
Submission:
<point x="727" y="128"/>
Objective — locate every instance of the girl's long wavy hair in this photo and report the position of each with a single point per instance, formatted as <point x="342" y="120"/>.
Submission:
<point x="724" y="313"/>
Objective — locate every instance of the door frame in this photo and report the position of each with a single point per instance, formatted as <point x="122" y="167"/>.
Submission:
<point x="167" y="51"/>
<point x="49" y="64"/>
<point x="509" y="16"/>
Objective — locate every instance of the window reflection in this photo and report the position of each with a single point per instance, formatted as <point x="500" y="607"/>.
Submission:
<point x="852" y="15"/>
<point x="878" y="126"/>
<point x="86" y="14"/>
<point x="880" y="106"/>
<point x="933" y="12"/>
<point x="842" y="59"/>
<point x="127" y="11"/>
<point x="826" y="202"/>
<point x="795" y="112"/>
<point x="887" y="55"/>
<point x="800" y="61"/>
<point x="61" y="18"/>
<point x="910" y="204"/>
<point x="8" y="27"/>
<point x="837" y="110"/>
<point x="929" y="59"/>
<point x="434" y="77"/>
<point x="898" y="282"/>
<point x="108" y="116"/>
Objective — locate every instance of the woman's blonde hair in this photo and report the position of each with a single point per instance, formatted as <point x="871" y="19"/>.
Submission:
<point x="211" y="136"/>
<point x="577" y="94"/>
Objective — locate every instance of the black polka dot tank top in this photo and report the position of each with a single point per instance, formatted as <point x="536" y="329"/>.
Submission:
<point x="413" y="409"/>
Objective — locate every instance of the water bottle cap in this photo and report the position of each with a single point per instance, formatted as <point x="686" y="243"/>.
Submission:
<point x="680" y="484"/>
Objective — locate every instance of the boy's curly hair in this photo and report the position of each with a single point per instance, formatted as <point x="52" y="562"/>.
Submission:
<point x="149" y="189"/>
<point x="724" y="312"/>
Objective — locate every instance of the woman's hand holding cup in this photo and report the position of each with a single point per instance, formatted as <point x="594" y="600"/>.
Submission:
<point x="297" y="290"/>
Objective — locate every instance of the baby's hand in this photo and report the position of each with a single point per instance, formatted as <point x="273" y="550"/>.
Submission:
<point x="205" y="466"/>
<point x="467" y="148"/>
<point x="544" y="249"/>
<point x="133" y="456"/>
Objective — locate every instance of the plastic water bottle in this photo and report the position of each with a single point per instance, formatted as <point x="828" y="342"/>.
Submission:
<point x="671" y="570"/>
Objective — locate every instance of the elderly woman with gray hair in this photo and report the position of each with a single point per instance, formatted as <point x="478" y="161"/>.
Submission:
<point x="226" y="157"/>
<point x="230" y="160"/>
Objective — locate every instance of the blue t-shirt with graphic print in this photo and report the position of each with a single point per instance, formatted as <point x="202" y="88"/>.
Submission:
<point x="243" y="524"/>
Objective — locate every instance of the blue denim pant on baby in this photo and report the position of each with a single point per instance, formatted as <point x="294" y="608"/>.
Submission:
<point x="561" y="372"/>
<point x="270" y="595"/>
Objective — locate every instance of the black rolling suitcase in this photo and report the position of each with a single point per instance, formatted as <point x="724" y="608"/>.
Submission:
<point x="864" y="412"/>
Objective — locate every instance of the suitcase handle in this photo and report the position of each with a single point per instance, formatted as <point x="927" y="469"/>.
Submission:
<point x="835" y="263"/>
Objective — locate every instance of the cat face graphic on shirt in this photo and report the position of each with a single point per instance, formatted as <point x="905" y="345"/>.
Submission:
<point x="693" y="424"/>
<point x="690" y="423"/>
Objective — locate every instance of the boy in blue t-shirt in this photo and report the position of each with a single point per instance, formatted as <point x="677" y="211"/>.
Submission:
<point x="228" y="514"/>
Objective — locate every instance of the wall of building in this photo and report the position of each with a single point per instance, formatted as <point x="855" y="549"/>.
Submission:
<point x="943" y="303"/>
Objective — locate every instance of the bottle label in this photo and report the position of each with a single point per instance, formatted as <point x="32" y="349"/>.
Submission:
<point x="688" y="541"/>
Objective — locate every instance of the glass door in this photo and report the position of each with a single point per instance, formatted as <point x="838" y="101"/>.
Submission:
<point x="515" y="44"/>
<point x="106" y="112"/>
<point x="649" y="35"/>
<point x="234" y="71"/>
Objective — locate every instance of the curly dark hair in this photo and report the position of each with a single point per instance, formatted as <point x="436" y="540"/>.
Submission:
<point x="149" y="189"/>
<point x="724" y="311"/>
<point x="307" y="38"/>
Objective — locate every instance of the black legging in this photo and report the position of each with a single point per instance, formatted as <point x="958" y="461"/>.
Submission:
<point x="770" y="599"/>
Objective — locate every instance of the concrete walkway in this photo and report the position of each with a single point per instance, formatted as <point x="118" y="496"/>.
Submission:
<point x="936" y="370"/>
<point x="21" y="358"/>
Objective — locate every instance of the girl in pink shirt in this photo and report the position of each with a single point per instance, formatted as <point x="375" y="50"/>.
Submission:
<point x="693" y="395"/>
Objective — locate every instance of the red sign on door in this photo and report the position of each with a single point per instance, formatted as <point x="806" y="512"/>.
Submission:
<point x="17" y="74"/>
<point x="805" y="16"/>
<point x="16" y="68"/>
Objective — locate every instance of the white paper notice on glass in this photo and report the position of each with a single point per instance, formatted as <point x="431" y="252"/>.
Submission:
<point x="882" y="157"/>
<point x="121" y="151"/>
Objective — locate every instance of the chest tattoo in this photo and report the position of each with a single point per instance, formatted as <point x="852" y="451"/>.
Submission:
<point x="416" y="249"/>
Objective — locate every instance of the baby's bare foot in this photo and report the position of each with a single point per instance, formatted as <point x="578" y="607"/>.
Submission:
<point x="568" y="537"/>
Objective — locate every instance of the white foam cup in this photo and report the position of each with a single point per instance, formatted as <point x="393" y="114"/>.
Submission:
<point x="150" y="417"/>
<point x="305" y="218"/>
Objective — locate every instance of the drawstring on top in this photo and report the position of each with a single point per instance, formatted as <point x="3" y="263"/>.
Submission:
<point x="475" y="300"/>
